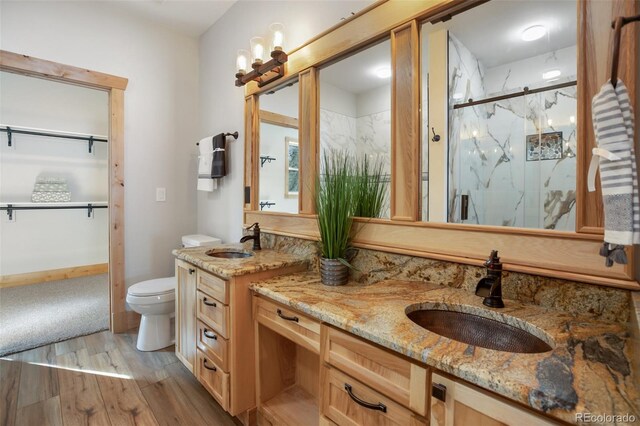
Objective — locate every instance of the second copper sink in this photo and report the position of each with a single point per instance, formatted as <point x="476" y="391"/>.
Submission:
<point x="478" y="331"/>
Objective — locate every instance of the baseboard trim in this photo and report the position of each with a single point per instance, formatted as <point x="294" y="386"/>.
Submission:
<point x="52" y="275"/>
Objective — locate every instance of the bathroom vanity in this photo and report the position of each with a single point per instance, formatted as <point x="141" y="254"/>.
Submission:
<point x="352" y="356"/>
<point x="214" y="328"/>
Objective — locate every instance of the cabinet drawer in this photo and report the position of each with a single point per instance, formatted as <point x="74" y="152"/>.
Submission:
<point x="213" y="346"/>
<point x="391" y="374"/>
<point x="346" y="401"/>
<point x="290" y="323"/>
<point x="214" y="380"/>
<point x="213" y="286"/>
<point x="213" y="313"/>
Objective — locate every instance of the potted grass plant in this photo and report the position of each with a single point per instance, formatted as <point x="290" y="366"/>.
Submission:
<point x="345" y="188"/>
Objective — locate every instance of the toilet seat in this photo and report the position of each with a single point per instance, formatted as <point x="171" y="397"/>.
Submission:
<point x="151" y="300"/>
<point x="155" y="287"/>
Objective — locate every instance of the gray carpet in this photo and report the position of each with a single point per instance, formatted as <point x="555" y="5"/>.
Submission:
<point x="38" y="314"/>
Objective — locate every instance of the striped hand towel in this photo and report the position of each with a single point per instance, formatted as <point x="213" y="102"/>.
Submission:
<point x="613" y="126"/>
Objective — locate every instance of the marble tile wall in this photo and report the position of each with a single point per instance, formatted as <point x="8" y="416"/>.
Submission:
<point x="488" y="150"/>
<point x="604" y="303"/>
<point x="366" y="135"/>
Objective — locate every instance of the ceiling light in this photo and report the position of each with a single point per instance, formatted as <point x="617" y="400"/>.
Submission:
<point x="534" y="32"/>
<point x="383" y="72"/>
<point x="551" y="74"/>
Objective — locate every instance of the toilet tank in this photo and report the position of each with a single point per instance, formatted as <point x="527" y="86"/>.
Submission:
<point x="197" y="240"/>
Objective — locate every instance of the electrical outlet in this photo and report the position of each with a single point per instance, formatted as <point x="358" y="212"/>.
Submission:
<point x="161" y="194"/>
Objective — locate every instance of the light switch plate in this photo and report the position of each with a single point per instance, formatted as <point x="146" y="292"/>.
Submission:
<point x="161" y="194"/>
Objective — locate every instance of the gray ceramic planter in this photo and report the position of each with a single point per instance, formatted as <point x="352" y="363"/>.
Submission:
<point x="332" y="272"/>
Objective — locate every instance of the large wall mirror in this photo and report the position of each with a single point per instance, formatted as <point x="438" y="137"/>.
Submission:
<point x="510" y="145"/>
<point x="477" y="121"/>
<point x="355" y="109"/>
<point x="279" y="150"/>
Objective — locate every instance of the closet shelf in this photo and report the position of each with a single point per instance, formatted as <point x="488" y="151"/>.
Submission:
<point x="89" y="206"/>
<point x="14" y="130"/>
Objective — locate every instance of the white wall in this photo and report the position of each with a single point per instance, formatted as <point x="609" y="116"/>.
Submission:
<point x="161" y="110"/>
<point x="222" y="104"/>
<point x="50" y="239"/>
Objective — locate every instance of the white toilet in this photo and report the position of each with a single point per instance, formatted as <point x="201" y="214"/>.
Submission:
<point x="155" y="301"/>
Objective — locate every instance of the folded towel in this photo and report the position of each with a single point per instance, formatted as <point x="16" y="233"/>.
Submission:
<point x="205" y="160"/>
<point x="49" y="179"/>
<point x="613" y="126"/>
<point x="49" y="187"/>
<point x="50" y="196"/>
<point x="219" y="164"/>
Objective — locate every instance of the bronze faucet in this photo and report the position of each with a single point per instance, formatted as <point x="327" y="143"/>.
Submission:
<point x="490" y="287"/>
<point x="255" y="237"/>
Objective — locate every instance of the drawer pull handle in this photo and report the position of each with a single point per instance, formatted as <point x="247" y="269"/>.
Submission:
<point x="209" y="368"/>
<point x="210" y="335"/>
<point x="191" y="271"/>
<point x="379" y="406"/>
<point x="284" y="317"/>
<point x="204" y="300"/>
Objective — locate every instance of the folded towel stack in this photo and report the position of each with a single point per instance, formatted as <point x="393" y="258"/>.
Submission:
<point x="613" y="126"/>
<point x="50" y="190"/>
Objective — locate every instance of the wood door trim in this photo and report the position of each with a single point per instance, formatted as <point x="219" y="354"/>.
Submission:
<point x="115" y="86"/>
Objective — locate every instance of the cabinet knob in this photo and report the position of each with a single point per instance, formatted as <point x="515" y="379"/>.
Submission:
<point x="191" y="271"/>
<point x="439" y="391"/>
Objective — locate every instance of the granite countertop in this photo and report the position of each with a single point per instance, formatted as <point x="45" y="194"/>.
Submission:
<point x="261" y="260"/>
<point x="589" y="369"/>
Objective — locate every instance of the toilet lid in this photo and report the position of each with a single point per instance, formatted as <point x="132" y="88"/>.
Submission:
<point x="153" y="287"/>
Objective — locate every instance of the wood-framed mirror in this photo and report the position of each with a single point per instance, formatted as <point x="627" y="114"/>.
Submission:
<point x="569" y="254"/>
<point x="120" y="319"/>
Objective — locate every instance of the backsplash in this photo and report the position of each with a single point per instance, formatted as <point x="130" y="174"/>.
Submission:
<point x="604" y="303"/>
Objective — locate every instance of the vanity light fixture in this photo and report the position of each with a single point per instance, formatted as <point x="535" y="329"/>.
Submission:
<point x="550" y="75"/>
<point x="261" y="71"/>
<point x="534" y="32"/>
<point x="383" y="72"/>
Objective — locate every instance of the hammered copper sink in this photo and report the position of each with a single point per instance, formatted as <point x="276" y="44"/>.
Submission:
<point x="478" y="331"/>
<point x="227" y="254"/>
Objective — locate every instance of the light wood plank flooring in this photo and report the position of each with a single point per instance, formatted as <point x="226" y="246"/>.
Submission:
<point x="101" y="379"/>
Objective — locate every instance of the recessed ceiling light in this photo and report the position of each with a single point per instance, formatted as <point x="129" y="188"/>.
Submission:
<point x="534" y="32"/>
<point x="383" y="72"/>
<point x="549" y="75"/>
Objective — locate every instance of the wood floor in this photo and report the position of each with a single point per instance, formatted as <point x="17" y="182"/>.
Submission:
<point x="101" y="379"/>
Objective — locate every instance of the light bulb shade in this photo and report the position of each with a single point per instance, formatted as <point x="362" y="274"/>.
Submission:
<point x="277" y="36"/>
<point x="242" y="61"/>
<point x="257" y="50"/>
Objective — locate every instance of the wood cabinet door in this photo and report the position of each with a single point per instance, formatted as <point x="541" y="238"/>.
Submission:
<point x="186" y="313"/>
<point x="456" y="404"/>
